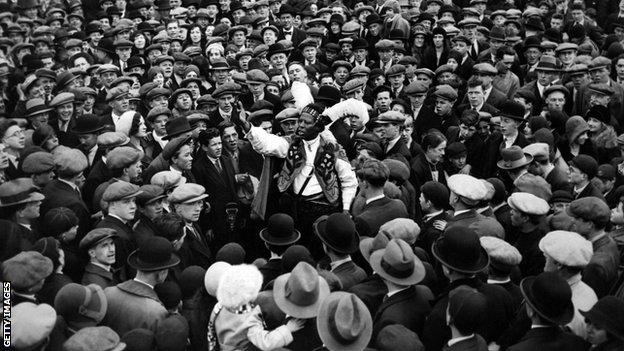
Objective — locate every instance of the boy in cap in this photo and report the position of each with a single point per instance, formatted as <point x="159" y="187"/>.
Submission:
<point x="120" y="197"/>
<point x="433" y="200"/>
<point x="583" y="169"/>
<point x="27" y="272"/>
<point x="590" y="216"/>
<point x="465" y="314"/>
<point x="567" y="254"/>
<point x="504" y="260"/>
<point x="100" y="246"/>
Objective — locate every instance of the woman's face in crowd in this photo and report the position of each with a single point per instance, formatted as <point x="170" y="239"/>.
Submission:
<point x="195" y="35"/>
<point x="139" y="41"/>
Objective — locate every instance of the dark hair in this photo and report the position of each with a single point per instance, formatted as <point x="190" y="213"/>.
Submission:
<point x="474" y="82"/>
<point x="169" y="226"/>
<point x="206" y="135"/>
<point x="469" y="117"/>
<point x="432" y="139"/>
<point x="278" y="249"/>
<point x="225" y="124"/>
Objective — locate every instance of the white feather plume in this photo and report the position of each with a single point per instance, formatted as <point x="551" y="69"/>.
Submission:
<point x="301" y="94"/>
<point x="349" y="107"/>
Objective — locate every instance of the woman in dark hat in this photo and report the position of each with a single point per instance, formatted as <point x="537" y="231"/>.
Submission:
<point x="51" y="248"/>
<point x="605" y="324"/>
<point x="437" y="53"/>
<point x="601" y="133"/>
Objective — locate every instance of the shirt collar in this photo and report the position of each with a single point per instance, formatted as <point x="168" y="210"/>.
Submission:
<point x="335" y="264"/>
<point x="431" y="215"/>
<point x="368" y="201"/>
<point x="459" y="339"/>
<point x="498" y="281"/>
<point x="142" y="282"/>
<point x="104" y="267"/>
<point x="74" y="186"/>
<point x="394" y="292"/>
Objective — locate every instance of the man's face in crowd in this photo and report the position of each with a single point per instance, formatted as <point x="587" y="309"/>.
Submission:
<point x="88" y="141"/>
<point x="124" y="53"/>
<point x="167" y="67"/>
<point x="600" y="75"/>
<point x="544" y="77"/>
<point x="184" y="102"/>
<point x="225" y="5"/>
<point x="305" y="126"/>
<point x="360" y="55"/>
<point x="120" y="104"/>
<point x="220" y="75"/>
<point x="158" y="125"/>
<point x="309" y="53"/>
<point x="289" y="126"/>
<point x="230" y="139"/>
<point x="475" y="95"/>
<point x="103" y="252"/>
<point x="238" y="38"/>
<point x="396" y="80"/>
<point x="417" y="100"/>
<point x="278" y="60"/>
<point x="214" y="148"/>
<point x="383" y="101"/>
<point x="424" y="79"/>
<point x="47" y="84"/>
<point x="287" y="20"/>
<point x="297" y="73"/>
<point x="173" y="29"/>
<point x="460" y="47"/>
<point x="386" y="55"/>
<point x="374" y="29"/>
<point x="470" y="32"/>
<point x="347" y="49"/>
<point x="509" y="126"/>
<point x="555" y="101"/>
<point x="596" y="98"/>
<point x="226" y="102"/>
<point x="341" y="74"/>
<point x="533" y="55"/>
<point x="391" y="131"/>
<point x="567" y="56"/>
<point x="442" y="106"/>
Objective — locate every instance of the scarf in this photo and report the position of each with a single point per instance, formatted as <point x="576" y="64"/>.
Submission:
<point x="606" y="138"/>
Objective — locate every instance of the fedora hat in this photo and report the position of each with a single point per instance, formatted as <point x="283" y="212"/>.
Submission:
<point x="460" y="249"/>
<point x="370" y="245"/>
<point x="280" y="230"/>
<point x="547" y="63"/>
<point x="35" y="107"/>
<point x="608" y="312"/>
<point x="514" y="157"/>
<point x="87" y="124"/>
<point x="344" y="322"/>
<point x="337" y="231"/>
<point x="19" y="191"/>
<point x="397" y="263"/>
<point x="277" y="48"/>
<point x="153" y="255"/>
<point x="300" y="292"/>
<point x="177" y="126"/>
<point x="550" y="296"/>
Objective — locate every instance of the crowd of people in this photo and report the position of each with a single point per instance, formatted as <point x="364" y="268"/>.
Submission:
<point x="220" y="175"/>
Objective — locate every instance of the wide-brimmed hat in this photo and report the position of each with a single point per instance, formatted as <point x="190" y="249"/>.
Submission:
<point x="550" y="296"/>
<point x="608" y="313"/>
<point x="397" y="263"/>
<point x="547" y="63"/>
<point x="460" y="249"/>
<point x="337" y="231"/>
<point x="153" y="255"/>
<point x="369" y="245"/>
<point x="36" y="106"/>
<point x="344" y="322"/>
<point x="19" y="191"/>
<point x="280" y="230"/>
<point x="300" y="293"/>
<point x="514" y="157"/>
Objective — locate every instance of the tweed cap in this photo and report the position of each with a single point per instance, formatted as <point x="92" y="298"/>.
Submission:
<point x="500" y="251"/>
<point x="590" y="208"/>
<point x="116" y="93"/>
<point x="94" y="339"/>
<point x="61" y="99"/>
<point x="395" y="70"/>
<point x="353" y="84"/>
<point x="38" y="162"/>
<point x="528" y="203"/>
<point x="168" y="179"/>
<point x="70" y="162"/>
<point x="19" y="191"/>
<point x="95" y="236"/>
<point x="227" y="88"/>
<point x="109" y="140"/>
<point x="393" y="117"/>
<point x="384" y="45"/>
<point x="120" y="190"/>
<point x="568" y="248"/>
<point x="122" y="157"/>
<point x="485" y="68"/>
<point x="26" y="269"/>
<point x="599" y="63"/>
<point x="601" y="88"/>
<point x="467" y="187"/>
<point x="31" y="324"/>
<point x="189" y="192"/>
<point x="446" y="92"/>
<point x="256" y="76"/>
<point x="158" y="111"/>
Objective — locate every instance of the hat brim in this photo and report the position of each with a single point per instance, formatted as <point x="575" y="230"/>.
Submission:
<point x="480" y="265"/>
<point x="32" y="197"/>
<point x="87" y="131"/>
<point x="365" y="247"/>
<point x="177" y="133"/>
<point x="193" y="199"/>
<point x="134" y="262"/>
<point x="562" y="319"/>
<point x="320" y="227"/>
<point x="527" y="160"/>
<point x="323" y="328"/>
<point x="292" y="309"/>
<point x="38" y="112"/>
<point x="272" y="240"/>
<point x="417" y="275"/>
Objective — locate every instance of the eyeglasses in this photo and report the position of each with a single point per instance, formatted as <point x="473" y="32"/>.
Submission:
<point x="17" y="133"/>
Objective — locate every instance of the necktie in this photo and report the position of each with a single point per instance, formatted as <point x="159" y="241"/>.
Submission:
<point x="218" y="166"/>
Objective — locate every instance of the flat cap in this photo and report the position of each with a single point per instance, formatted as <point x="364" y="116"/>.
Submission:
<point x="163" y="58"/>
<point x="566" y="47"/>
<point x="468" y="187"/>
<point x="38" y="162"/>
<point x="401" y="228"/>
<point x="123" y="43"/>
<point x="173" y="146"/>
<point x="156" y="92"/>
<point x="528" y="203"/>
<point x="116" y="93"/>
<point x="122" y="157"/>
<point x="112" y="139"/>
<point x="26" y="269"/>
<point x="606" y="171"/>
<point x="599" y="62"/>
<point x="360" y="71"/>
<point x="287" y="114"/>
<point x="150" y="193"/>
<point x="601" y="88"/>
<point x="167" y="179"/>
<point x="568" y="248"/>
<point x="590" y="208"/>
<point x="384" y="44"/>
<point x="94" y="339"/>
<point x="353" y="85"/>
<point x="70" y="162"/>
<point x="189" y="192"/>
<point x="578" y="68"/>
<point x="120" y="190"/>
<point x="31" y="324"/>
<point x="500" y="251"/>
<point x="395" y="70"/>
<point x="470" y="21"/>
<point x="446" y="92"/>
<point x="95" y="236"/>
<point x="585" y="164"/>
<point x="485" y="68"/>
<point x="158" y="111"/>
<point x="227" y="88"/>
<point x="415" y="88"/>
<point x="394" y="117"/>
<point x="105" y="68"/>
<point x="539" y="151"/>
<point x="62" y="98"/>
<point x="256" y="76"/>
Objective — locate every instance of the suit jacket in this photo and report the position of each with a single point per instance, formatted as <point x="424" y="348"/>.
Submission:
<point x="482" y="225"/>
<point x="132" y="305"/>
<point x="538" y="105"/>
<point x="297" y="36"/>
<point x="221" y="189"/>
<point x="399" y="151"/>
<point x="533" y="259"/>
<point x="271" y="270"/>
<point x="497" y="98"/>
<point x="98" y="275"/>
<point x="425" y="120"/>
<point x="248" y="100"/>
<point x="349" y="274"/>
<point x="378" y="212"/>
<point x="371" y="291"/>
<point x="590" y="190"/>
<point x="476" y="343"/>
<point x="124" y="244"/>
<point x="428" y="233"/>
<point x="408" y="308"/>
<point x="60" y="194"/>
<point x="199" y="250"/>
<point x="421" y="172"/>
<point x="98" y="174"/>
<point x="547" y="339"/>
<point x="601" y="272"/>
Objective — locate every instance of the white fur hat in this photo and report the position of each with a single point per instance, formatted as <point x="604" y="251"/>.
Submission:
<point x="239" y="285"/>
<point x="213" y="276"/>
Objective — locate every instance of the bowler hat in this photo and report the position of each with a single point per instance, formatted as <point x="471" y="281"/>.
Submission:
<point x="338" y="232"/>
<point x="344" y="322"/>
<point x="277" y="48"/>
<point x="328" y="95"/>
<point x="87" y="124"/>
<point x="460" y="249"/>
<point x="280" y="230"/>
<point x="513" y="110"/>
<point x="176" y="126"/>
<point x="608" y="313"/>
<point x="550" y="296"/>
<point x="514" y="157"/>
<point x="153" y="255"/>
<point x="300" y="292"/>
<point x="397" y="263"/>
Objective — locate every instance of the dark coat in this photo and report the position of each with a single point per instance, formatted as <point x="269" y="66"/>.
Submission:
<point x="132" y="305"/>
<point x="558" y="180"/>
<point x="371" y="291"/>
<point x="124" y="245"/>
<point x="497" y="98"/>
<point x="499" y="312"/>
<point x="408" y="308"/>
<point x="349" y="274"/>
<point x="482" y="225"/>
<point x="476" y="343"/>
<point x="99" y="174"/>
<point x="590" y="190"/>
<point x="421" y="172"/>
<point x="425" y="120"/>
<point x="248" y="100"/>
<point x="271" y="270"/>
<point x="99" y="276"/>
<point x="376" y="213"/>
<point x="53" y="283"/>
<point x="428" y="233"/>
<point x="221" y="190"/>
<point x="297" y="36"/>
<point x="399" y="151"/>
<point x="533" y="259"/>
<point x="602" y="270"/>
<point x="143" y="230"/>
<point x="61" y="194"/>
<point x="199" y="248"/>
<point x="547" y="339"/>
